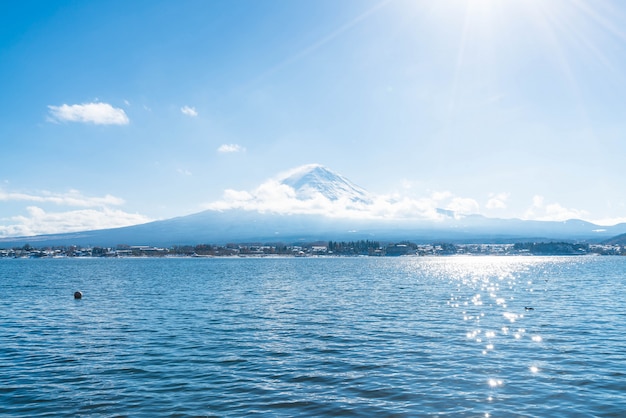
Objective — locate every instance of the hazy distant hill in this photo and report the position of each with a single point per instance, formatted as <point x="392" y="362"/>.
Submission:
<point x="617" y="240"/>
<point x="315" y="181"/>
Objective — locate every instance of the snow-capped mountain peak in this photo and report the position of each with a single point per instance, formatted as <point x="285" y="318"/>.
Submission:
<point x="311" y="179"/>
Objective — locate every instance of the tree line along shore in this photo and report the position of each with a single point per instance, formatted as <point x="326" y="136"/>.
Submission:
<point x="320" y="248"/>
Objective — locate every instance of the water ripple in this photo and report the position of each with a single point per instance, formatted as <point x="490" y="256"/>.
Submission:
<point x="313" y="337"/>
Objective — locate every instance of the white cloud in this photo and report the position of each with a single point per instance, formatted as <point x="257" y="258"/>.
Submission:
<point x="541" y="211"/>
<point x="38" y="221"/>
<point x="80" y="213"/>
<point x="71" y="198"/>
<point x="275" y="197"/>
<point x="463" y="205"/>
<point x="226" y="148"/>
<point x="441" y="195"/>
<point x="96" y="113"/>
<point x="189" y="111"/>
<point x="497" y="201"/>
<point x="609" y="221"/>
<point x="184" y="172"/>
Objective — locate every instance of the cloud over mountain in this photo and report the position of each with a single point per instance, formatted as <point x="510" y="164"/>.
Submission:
<point x="310" y="191"/>
<point x="314" y="189"/>
<point x="540" y="210"/>
<point x="51" y="212"/>
<point x="39" y="221"/>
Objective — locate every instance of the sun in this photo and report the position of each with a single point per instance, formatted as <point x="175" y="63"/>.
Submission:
<point x="557" y="40"/>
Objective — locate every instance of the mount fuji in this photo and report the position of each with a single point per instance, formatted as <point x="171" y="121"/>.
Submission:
<point x="313" y="203"/>
<point x="309" y="180"/>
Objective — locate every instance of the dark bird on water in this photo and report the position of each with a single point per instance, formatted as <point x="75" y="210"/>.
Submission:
<point x="528" y="308"/>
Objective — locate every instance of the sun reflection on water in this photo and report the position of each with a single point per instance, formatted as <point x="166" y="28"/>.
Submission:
<point x="493" y="293"/>
<point x="495" y="382"/>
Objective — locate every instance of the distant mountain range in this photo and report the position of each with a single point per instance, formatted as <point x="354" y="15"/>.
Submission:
<point x="317" y="184"/>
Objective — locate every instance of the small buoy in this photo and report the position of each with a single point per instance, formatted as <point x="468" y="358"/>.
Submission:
<point x="78" y="295"/>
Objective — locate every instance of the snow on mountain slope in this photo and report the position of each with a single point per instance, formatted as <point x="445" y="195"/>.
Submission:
<point x="307" y="180"/>
<point x="309" y="189"/>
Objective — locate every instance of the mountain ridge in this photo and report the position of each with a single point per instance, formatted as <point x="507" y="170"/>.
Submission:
<point x="313" y="183"/>
<point x="239" y="226"/>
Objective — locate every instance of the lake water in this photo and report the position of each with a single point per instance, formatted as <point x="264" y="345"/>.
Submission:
<point x="367" y="337"/>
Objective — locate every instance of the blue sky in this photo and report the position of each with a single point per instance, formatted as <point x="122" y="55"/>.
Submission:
<point x="115" y="112"/>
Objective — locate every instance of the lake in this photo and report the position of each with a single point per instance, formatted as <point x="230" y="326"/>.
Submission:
<point x="444" y="337"/>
